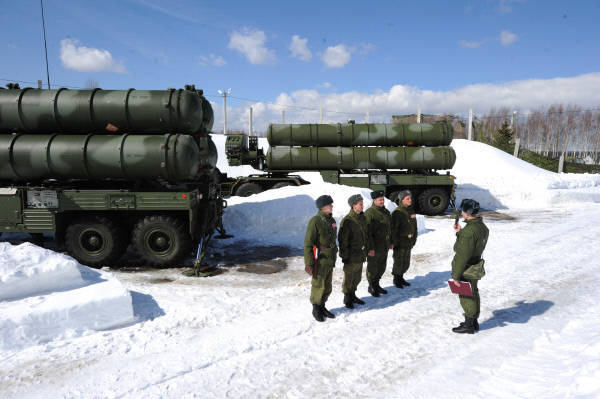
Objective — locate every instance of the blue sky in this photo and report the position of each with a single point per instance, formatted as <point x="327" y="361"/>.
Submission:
<point x="345" y="51"/>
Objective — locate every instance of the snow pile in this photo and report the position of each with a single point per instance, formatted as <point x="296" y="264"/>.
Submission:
<point x="498" y="180"/>
<point x="45" y="295"/>
<point x="280" y="216"/>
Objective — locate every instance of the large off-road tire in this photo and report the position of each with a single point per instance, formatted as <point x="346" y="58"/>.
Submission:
<point x="283" y="184"/>
<point x="433" y="201"/>
<point x="161" y="240"/>
<point x="247" y="189"/>
<point x="95" y="241"/>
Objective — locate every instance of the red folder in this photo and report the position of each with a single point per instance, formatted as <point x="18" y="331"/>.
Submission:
<point x="464" y="289"/>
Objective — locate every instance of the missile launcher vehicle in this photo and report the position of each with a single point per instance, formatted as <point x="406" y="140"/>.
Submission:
<point x="392" y="157"/>
<point x="104" y="170"/>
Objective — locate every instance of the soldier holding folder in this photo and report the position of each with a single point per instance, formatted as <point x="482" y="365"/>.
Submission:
<point x="470" y="244"/>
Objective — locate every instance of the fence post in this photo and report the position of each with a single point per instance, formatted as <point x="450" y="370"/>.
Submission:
<point x="561" y="161"/>
<point x="517" y="144"/>
<point x="321" y="114"/>
<point x="470" y="130"/>
<point x="419" y="115"/>
<point x="250" y="123"/>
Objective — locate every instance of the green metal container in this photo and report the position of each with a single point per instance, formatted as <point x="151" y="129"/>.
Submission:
<point x="173" y="157"/>
<point x="359" y="158"/>
<point x="362" y="134"/>
<point x="103" y="111"/>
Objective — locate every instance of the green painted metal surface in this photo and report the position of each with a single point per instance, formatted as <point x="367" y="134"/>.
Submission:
<point x="359" y="158"/>
<point x="171" y="157"/>
<point x="102" y="111"/>
<point x="364" y="134"/>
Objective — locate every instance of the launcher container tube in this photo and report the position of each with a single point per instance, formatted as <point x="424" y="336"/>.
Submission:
<point x="104" y="111"/>
<point x="363" y="134"/>
<point x="359" y="158"/>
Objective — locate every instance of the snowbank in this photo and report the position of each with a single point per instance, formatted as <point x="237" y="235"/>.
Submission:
<point x="498" y="180"/>
<point x="45" y="295"/>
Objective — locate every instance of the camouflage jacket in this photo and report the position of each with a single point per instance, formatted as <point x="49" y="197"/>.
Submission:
<point x="404" y="227"/>
<point x="321" y="232"/>
<point x="354" y="238"/>
<point x="470" y="243"/>
<point x="379" y="221"/>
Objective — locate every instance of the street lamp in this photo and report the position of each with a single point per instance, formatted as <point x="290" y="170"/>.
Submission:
<point x="224" y="93"/>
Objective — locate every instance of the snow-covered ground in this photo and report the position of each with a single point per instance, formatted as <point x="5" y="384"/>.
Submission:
<point x="248" y="331"/>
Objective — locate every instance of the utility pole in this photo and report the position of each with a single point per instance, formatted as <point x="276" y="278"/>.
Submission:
<point x="367" y="116"/>
<point x="419" y="115"/>
<point x="250" y="124"/>
<point x="321" y="114"/>
<point x="283" y="116"/>
<point x="39" y="84"/>
<point x="224" y="93"/>
<point x="470" y="129"/>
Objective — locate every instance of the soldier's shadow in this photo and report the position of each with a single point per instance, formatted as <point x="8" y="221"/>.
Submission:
<point x="420" y="286"/>
<point x="521" y="312"/>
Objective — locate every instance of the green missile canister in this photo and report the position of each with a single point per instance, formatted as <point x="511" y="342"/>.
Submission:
<point x="362" y="134"/>
<point x="172" y="157"/>
<point x="360" y="158"/>
<point x="103" y="111"/>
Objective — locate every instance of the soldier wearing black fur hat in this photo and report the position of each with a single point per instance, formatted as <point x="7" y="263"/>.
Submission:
<point x="379" y="222"/>
<point x="404" y="236"/>
<point x="470" y="243"/>
<point x="320" y="253"/>
<point x="354" y="245"/>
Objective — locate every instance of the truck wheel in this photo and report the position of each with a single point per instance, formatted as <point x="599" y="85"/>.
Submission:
<point x="433" y="201"/>
<point x="248" y="189"/>
<point x="161" y="240"/>
<point x="95" y="241"/>
<point x="283" y="184"/>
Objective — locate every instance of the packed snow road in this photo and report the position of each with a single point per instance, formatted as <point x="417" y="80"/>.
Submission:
<point x="248" y="332"/>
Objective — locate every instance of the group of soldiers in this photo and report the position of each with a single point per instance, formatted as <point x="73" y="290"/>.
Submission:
<point x="369" y="235"/>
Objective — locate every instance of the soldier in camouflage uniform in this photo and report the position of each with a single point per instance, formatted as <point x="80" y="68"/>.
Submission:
<point x="379" y="221"/>
<point x="320" y="241"/>
<point x="404" y="236"/>
<point x="470" y="243"/>
<point x="354" y="245"/>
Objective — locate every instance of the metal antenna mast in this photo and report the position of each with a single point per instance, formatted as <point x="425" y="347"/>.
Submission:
<point x="45" y="46"/>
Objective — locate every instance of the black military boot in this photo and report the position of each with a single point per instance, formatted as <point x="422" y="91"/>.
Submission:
<point x="398" y="282"/>
<point x="318" y="313"/>
<point x="326" y="312"/>
<point x="379" y="289"/>
<point x="357" y="300"/>
<point x="373" y="290"/>
<point x="468" y="327"/>
<point x="403" y="281"/>
<point x="475" y="324"/>
<point x="348" y="302"/>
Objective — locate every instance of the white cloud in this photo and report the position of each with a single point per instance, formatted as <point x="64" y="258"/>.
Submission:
<point x="299" y="48"/>
<point x="524" y="95"/>
<point x="324" y="85"/>
<point x="211" y="60"/>
<point x="471" y="43"/>
<point x="88" y="59"/>
<point x="337" y="56"/>
<point x="507" y="38"/>
<point x="251" y="43"/>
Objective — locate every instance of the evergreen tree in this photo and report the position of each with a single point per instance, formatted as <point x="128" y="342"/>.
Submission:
<point x="503" y="137"/>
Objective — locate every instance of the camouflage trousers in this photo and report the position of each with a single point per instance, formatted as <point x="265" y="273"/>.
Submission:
<point x="352" y="276"/>
<point x="321" y="284"/>
<point x="401" y="261"/>
<point x="376" y="266"/>
<point x="471" y="304"/>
